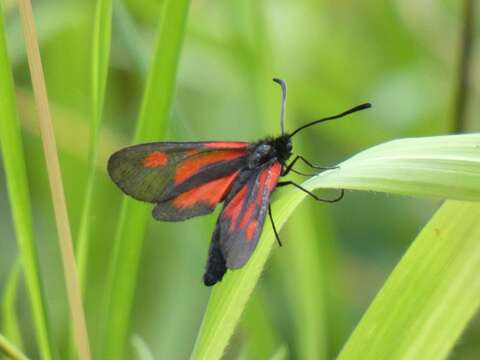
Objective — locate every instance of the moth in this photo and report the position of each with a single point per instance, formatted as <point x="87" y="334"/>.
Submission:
<point x="187" y="179"/>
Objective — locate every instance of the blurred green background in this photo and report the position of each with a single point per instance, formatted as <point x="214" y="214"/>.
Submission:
<point x="400" y="55"/>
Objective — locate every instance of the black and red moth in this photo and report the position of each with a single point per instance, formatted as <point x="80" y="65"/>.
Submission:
<point x="187" y="179"/>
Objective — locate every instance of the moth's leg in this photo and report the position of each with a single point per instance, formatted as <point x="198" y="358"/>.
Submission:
<point x="301" y="173"/>
<point x="273" y="225"/>
<point x="300" y="157"/>
<point x="285" y="183"/>
<point x="289" y="166"/>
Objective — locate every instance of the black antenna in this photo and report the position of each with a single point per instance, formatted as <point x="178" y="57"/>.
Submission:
<point x="352" y="110"/>
<point x="284" y="101"/>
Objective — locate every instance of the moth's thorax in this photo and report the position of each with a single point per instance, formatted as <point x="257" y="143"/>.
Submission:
<point x="279" y="148"/>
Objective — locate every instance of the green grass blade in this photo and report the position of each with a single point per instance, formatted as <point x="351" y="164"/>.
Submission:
<point x="141" y="348"/>
<point x="306" y="281"/>
<point x="134" y="215"/>
<point x="453" y="171"/>
<point x="9" y="350"/>
<point x="17" y="184"/>
<point x="131" y="39"/>
<point x="431" y="295"/>
<point x="10" y="325"/>
<point x="260" y="335"/>
<point x="99" y="69"/>
<point x="438" y="167"/>
<point x="281" y="353"/>
<point x="100" y="56"/>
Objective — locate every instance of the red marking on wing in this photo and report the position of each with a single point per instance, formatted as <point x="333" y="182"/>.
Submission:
<point x="262" y="179"/>
<point x="268" y="178"/>
<point x="226" y="145"/>
<point x="190" y="166"/>
<point x="248" y="214"/>
<point x="251" y="230"/>
<point x="275" y="171"/>
<point x="210" y="193"/>
<point x="191" y="152"/>
<point x="234" y="207"/>
<point x="155" y="159"/>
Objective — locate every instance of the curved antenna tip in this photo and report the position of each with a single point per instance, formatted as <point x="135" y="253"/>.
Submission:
<point x="279" y="81"/>
<point x="284" y="99"/>
<point x="364" y="106"/>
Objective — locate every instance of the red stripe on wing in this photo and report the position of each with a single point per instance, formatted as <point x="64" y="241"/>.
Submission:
<point x="210" y="193"/>
<point x="251" y="228"/>
<point x="267" y="180"/>
<point x="275" y="172"/>
<point x="192" y="165"/>
<point x="226" y="145"/>
<point x="248" y="214"/>
<point x="234" y="207"/>
<point x="192" y="151"/>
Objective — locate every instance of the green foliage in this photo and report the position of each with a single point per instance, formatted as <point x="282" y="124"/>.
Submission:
<point x="100" y="56"/>
<point x="431" y="295"/>
<point x="14" y="162"/>
<point x="10" y="325"/>
<point x="10" y="350"/>
<point x="209" y="78"/>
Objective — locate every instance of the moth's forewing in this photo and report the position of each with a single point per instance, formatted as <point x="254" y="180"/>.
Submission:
<point x="184" y="179"/>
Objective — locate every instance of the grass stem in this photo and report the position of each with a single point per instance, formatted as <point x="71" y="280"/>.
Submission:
<point x="17" y="186"/>
<point x="10" y="350"/>
<point x="55" y="180"/>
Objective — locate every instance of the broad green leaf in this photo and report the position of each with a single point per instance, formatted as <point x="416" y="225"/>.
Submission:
<point x="442" y="167"/>
<point x="431" y="295"/>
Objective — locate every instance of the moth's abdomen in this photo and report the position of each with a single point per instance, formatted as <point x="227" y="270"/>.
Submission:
<point x="216" y="266"/>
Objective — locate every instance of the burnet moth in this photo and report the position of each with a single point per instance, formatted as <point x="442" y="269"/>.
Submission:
<point x="187" y="179"/>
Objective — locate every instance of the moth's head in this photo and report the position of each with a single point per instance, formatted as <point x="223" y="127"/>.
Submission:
<point x="283" y="146"/>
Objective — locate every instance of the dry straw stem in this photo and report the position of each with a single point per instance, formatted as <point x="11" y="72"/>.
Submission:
<point x="19" y="198"/>
<point x="55" y="180"/>
<point x="10" y="351"/>
<point x="10" y="325"/>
